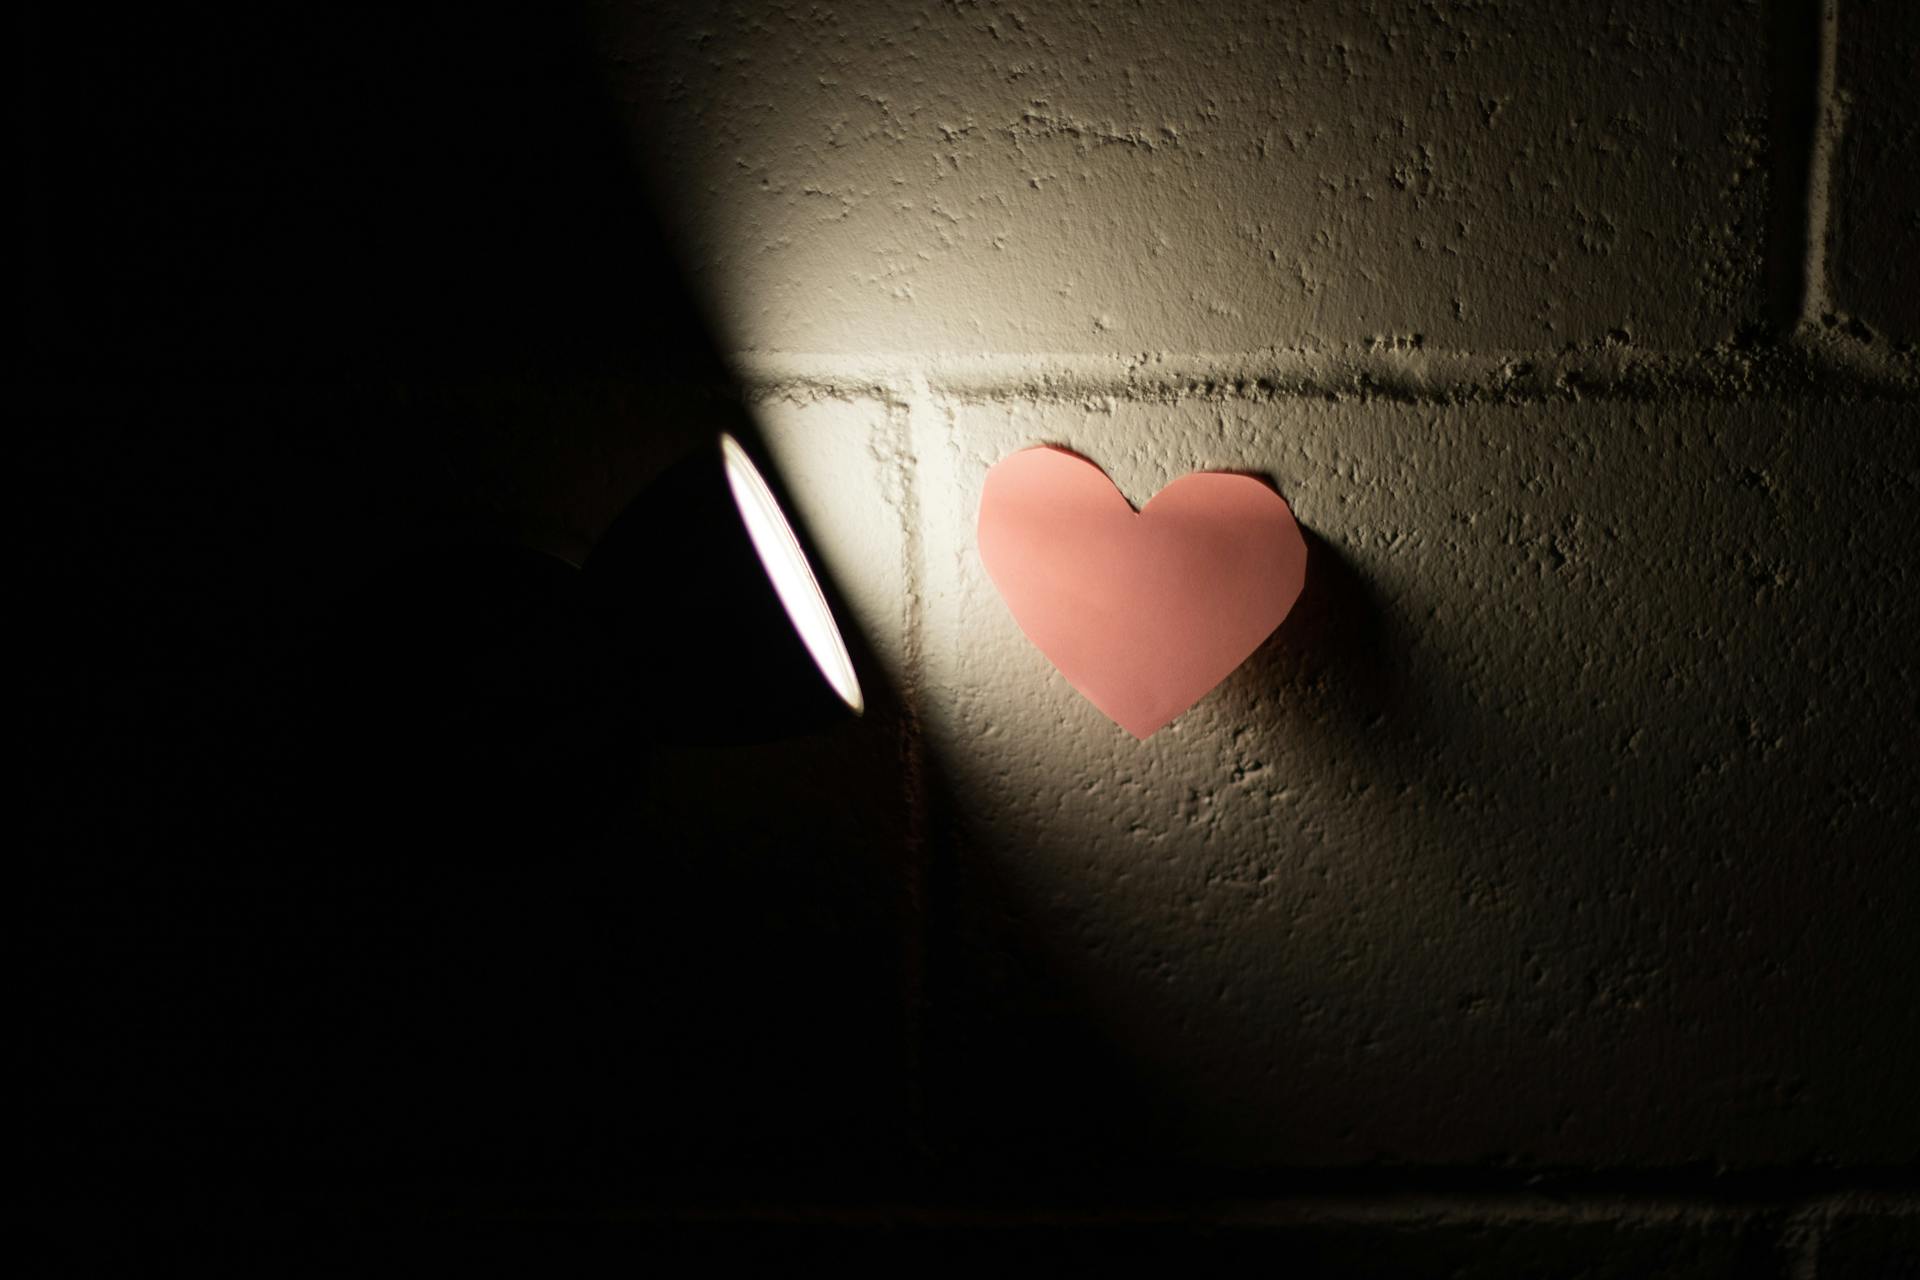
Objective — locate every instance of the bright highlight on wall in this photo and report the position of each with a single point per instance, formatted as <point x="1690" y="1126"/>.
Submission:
<point x="793" y="579"/>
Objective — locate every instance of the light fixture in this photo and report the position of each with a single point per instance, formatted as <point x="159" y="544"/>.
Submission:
<point x="707" y="599"/>
<point x="793" y="579"/>
<point x="697" y="618"/>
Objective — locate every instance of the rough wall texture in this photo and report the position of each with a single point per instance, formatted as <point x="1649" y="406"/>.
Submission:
<point x="1875" y="218"/>
<point x="1539" y="900"/>
<point x="1565" y="825"/>
<point x="878" y="176"/>
<point x="1550" y="780"/>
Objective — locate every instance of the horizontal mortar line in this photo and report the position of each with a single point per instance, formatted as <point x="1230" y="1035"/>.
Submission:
<point x="1428" y="1209"/>
<point x="1814" y="368"/>
<point x="1432" y="1207"/>
<point x="1432" y="1210"/>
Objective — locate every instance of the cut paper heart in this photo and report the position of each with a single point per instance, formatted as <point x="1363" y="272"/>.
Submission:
<point x="1143" y="612"/>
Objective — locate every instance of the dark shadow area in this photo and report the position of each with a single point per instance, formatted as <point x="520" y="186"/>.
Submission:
<point x="1031" y="1098"/>
<point x="1339" y="640"/>
<point x="343" y="326"/>
<point x="1406" y="1243"/>
<point x="1793" y="115"/>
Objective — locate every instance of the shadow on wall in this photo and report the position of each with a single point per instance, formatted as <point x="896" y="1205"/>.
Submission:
<point x="1342" y="639"/>
<point x="322" y="299"/>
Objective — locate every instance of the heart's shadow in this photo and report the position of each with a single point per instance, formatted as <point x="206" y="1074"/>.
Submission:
<point x="1336" y="650"/>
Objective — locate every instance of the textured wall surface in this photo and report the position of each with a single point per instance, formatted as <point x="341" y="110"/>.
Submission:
<point x="1538" y="900"/>
<point x="1876" y="220"/>
<point x="1568" y="823"/>
<point x="877" y="176"/>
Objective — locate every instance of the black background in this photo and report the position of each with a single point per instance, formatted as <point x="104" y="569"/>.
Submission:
<point x="315" y="299"/>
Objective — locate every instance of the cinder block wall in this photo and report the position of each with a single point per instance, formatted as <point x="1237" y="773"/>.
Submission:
<point x="1567" y="829"/>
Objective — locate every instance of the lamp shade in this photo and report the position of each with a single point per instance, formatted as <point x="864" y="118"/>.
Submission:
<point x="706" y="595"/>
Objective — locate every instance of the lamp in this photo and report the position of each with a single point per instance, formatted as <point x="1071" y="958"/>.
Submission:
<point x="467" y="770"/>
<point x="696" y="619"/>
<point x="712" y="610"/>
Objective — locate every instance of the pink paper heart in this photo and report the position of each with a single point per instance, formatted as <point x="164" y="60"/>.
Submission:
<point x="1143" y="612"/>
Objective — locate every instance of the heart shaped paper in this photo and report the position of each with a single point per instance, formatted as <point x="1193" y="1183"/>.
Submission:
<point x="1143" y="612"/>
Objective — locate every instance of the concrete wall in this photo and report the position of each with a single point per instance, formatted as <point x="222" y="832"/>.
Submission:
<point x="1539" y="900"/>
<point x="1569" y="823"/>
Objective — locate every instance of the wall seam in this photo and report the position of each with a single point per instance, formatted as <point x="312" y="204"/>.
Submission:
<point x="1820" y="366"/>
<point x="1828" y="126"/>
<point x="1800" y="1240"/>
<point x="900" y="459"/>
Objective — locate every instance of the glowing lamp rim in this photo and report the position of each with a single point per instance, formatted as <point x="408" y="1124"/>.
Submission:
<point x="786" y="567"/>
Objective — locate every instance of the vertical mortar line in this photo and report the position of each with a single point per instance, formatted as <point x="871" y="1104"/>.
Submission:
<point x="1793" y="118"/>
<point x="1829" y="122"/>
<point x="1801" y="1240"/>
<point x="903" y="403"/>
